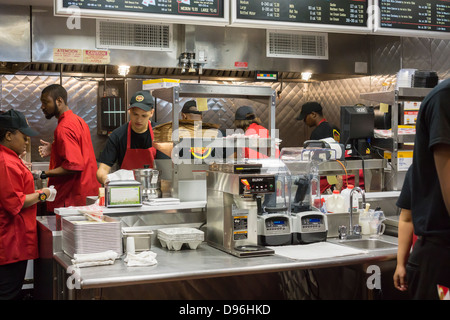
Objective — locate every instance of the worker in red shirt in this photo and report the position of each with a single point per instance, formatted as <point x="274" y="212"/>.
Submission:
<point x="18" y="232"/>
<point x="246" y="119"/>
<point x="73" y="165"/>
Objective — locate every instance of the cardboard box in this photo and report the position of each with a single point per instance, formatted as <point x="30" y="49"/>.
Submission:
<point x="160" y="83"/>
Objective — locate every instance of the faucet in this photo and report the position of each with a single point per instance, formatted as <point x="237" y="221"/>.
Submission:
<point x="354" y="232"/>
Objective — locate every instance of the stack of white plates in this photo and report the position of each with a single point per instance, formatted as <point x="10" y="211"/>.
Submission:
<point x="174" y="238"/>
<point x="405" y="78"/>
<point x="83" y="236"/>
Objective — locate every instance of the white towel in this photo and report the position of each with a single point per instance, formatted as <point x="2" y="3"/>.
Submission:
<point x="143" y="259"/>
<point x="312" y="251"/>
<point x="94" y="259"/>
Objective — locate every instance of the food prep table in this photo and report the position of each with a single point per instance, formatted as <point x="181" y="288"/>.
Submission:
<point x="205" y="262"/>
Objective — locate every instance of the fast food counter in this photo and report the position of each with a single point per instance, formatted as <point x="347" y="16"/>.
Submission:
<point x="204" y="273"/>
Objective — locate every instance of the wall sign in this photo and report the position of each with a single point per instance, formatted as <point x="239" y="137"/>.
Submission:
<point x="326" y="15"/>
<point x="415" y="18"/>
<point x="212" y="12"/>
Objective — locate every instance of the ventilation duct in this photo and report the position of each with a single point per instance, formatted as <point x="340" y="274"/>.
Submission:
<point x="135" y="36"/>
<point x="291" y="44"/>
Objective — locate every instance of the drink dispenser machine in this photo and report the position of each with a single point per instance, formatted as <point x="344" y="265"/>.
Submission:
<point x="308" y="222"/>
<point x="235" y="198"/>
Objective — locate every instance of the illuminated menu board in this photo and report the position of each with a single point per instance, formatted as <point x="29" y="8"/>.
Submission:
<point x="316" y="14"/>
<point x="176" y="10"/>
<point x="418" y="15"/>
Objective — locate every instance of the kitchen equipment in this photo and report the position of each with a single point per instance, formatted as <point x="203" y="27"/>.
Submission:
<point x="309" y="227"/>
<point x="123" y="193"/>
<point x="274" y="227"/>
<point x="142" y="237"/>
<point x="150" y="181"/>
<point x="233" y="203"/>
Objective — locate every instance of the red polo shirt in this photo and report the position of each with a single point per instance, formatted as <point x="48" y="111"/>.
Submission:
<point x="72" y="149"/>
<point x="18" y="232"/>
<point x="262" y="132"/>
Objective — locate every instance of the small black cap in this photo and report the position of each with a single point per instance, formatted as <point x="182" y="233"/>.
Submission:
<point x="242" y="112"/>
<point x="190" y="107"/>
<point x="309" y="107"/>
<point x="142" y="100"/>
<point x="13" y="119"/>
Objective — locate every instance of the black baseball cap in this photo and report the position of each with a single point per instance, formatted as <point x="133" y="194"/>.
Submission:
<point x="190" y="107"/>
<point x="309" y="107"/>
<point x="13" y="119"/>
<point x="242" y="112"/>
<point x="143" y="100"/>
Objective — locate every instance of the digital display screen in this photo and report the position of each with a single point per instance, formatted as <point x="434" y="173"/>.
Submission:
<point x="425" y="15"/>
<point x="185" y="11"/>
<point x="279" y="222"/>
<point x="184" y="7"/>
<point x="314" y="220"/>
<point x="350" y="13"/>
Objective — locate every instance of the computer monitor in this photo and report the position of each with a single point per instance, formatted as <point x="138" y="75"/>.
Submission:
<point x="357" y="124"/>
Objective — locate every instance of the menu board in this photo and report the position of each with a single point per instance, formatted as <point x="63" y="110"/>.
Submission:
<point x="315" y="14"/>
<point x="423" y="15"/>
<point x="186" y="11"/>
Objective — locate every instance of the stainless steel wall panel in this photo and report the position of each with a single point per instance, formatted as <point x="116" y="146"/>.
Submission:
<point x="416" y="53"/>
<point x="440" y="50"/>
<point x="23" y="94"/>
<point x="385" y="55"/>
<point x="15" y="33"/>
<point x="51" y="32"/>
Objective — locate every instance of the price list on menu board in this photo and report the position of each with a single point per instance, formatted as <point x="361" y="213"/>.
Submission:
<point x="199" y="8"/>
<point x="334" y="12"/>
<point x="425" y="15"/>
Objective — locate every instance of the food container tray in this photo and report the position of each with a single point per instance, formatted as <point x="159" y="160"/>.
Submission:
<point x="142" y="238"/>
<point x="81" y="236"/>
<point x="174" y="238"/>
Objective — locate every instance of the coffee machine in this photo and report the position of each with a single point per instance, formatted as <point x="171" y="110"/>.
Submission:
<point x="235" y="193"/>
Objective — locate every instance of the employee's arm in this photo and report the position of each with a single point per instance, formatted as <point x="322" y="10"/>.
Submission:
<point x="102" y="172"/>
<point x="33" y="198"/>
<point x="441" y="154"/>
<point x="60" y="171"/>
<point x="405" y="235"/>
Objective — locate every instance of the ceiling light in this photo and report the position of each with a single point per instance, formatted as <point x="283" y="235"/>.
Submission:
<point x="306" y="76"/>
<point x="123" y="70"/>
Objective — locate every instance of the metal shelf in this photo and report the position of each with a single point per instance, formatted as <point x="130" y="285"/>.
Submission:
<point x="394" y="98"/>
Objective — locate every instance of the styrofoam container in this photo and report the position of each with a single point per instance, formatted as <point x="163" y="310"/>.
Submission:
<point x="174" y="238"/>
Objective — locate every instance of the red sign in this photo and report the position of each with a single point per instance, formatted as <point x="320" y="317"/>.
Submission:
<point x="240" y="64"/>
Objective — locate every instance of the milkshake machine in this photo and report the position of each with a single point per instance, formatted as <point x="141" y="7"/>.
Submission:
<point x="235" y="196"/>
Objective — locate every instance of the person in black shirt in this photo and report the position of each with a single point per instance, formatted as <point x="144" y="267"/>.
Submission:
<point x="405" y="233"/>
<point x="139" y="149"/>
<point x="428" y="266"/>
<point x="312" y="114"/>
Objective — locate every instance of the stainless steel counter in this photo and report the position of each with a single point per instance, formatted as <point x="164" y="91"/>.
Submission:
<point x="185" y="266"/>
<point x="205" y="262"/>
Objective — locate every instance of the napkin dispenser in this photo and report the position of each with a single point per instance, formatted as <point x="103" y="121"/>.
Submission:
<point x="123" y="193"/>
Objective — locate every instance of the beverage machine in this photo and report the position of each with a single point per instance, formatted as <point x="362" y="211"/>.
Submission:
<point x="237" y="195"/>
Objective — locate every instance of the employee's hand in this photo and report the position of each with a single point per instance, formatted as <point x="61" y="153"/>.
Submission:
<point x="36" y="174"/>
<point x="400" y="282"/>
<point x="45" y="149"/>
<point x="26" y="163"/>
<point x="50" y="192"/>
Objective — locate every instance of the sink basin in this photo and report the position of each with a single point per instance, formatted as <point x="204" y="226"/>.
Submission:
<point x="368" y="244"/>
